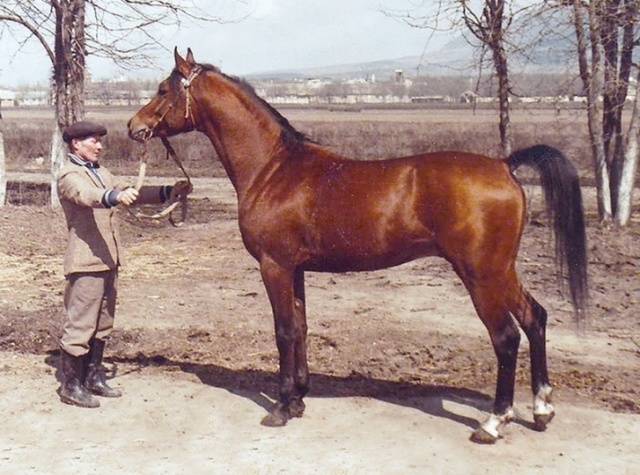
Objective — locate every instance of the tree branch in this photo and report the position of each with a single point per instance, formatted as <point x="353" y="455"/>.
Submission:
<point x="34" y="31"/>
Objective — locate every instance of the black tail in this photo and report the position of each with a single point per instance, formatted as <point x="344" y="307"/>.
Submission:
<point x="561" y="185"/>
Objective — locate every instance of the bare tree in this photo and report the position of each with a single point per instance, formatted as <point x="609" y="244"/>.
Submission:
<point x="606" y="39"/>
<point x="488" y="22"/>
<point x="592" y="80"/>
<point x="125" y="31"/>
<point x="490" y="28"/>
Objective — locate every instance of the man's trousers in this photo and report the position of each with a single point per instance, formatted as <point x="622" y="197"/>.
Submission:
<point x="89" y="304"/>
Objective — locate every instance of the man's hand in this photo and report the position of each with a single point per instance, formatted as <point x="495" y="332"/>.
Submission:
<point x="180" y="190"/>
<point x="127" y="196"/>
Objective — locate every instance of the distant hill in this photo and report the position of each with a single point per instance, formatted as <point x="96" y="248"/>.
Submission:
<point x="455" y="58"/>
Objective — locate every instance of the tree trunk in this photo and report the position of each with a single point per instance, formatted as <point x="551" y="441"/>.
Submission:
<point x="500" y="61"/>
<point x="58" y="153"/>
<point x="3" y="173"/>
<point x="68" y="78"/>
<point x="68" y="70"/>
<point x="490" y="30"/>
<point x="494" y="14"/>
<point x="626" y="183"/>
<point x="592" y="83"/>
<point x="626" y="18"/>
<point x="595" y="108"/>
<point x="611" y="110"/>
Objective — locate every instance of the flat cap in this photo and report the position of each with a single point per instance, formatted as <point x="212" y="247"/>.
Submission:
<point x="83" y="129"/>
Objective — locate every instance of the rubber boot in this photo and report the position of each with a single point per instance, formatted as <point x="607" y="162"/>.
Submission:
<point x="96" y="379"/>
<point x="72" y="390"/>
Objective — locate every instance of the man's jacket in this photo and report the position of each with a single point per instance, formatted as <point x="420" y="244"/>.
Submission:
<point x="94" y="238"/>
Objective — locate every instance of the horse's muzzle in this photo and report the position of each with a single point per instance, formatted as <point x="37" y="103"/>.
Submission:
<point x="140" y="135"/>
<point x="139" y="131"/>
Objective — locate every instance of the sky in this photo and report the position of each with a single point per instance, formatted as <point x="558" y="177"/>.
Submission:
<point x="276" y="35"/>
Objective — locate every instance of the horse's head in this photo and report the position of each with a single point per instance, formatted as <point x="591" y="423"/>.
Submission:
<point x="170" y="111"/>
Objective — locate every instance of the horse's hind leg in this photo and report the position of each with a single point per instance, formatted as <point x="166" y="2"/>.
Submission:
<point x="533" y="320"/>
<point x="488" y="297"/>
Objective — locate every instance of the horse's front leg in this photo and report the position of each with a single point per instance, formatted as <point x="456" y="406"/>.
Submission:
<point x="301" y="375"/>
<point x="279" y="282"/>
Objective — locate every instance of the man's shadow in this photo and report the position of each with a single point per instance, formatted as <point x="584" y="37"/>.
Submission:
<point x="261" y="387"/>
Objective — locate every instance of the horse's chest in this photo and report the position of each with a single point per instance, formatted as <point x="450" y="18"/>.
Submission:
<point x="270" y="231"/>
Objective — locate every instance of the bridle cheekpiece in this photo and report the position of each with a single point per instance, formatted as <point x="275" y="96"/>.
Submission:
<point x="186" y="84"/>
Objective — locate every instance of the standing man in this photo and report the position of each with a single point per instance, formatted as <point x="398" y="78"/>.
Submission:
<point x="88" y="193"/>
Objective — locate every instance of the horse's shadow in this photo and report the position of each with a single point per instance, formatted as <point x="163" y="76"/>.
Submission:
<point x="261" y="387"/>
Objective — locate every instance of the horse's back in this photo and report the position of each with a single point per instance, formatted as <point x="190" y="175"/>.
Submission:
<point x="445" y="185"/>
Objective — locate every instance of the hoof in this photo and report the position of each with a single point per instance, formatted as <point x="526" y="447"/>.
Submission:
<point x="278" y="417"/>
<point x="481" y="436"/>
<point x="273" y="420"/>
<point x="542" y="420"/>
<point x="296" y="408"/>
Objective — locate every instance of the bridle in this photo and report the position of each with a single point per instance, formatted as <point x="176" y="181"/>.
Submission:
<point x="188" y="115"/>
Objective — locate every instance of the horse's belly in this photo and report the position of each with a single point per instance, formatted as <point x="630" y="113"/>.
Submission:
<point x="364" y="259"/>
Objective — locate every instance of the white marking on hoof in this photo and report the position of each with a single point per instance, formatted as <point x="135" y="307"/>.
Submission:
<point x="489" y="430"/>
<point x="542" y="402"/>
<point x="543" y="410"/>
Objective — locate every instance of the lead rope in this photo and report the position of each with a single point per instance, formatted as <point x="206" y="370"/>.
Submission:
<point x="183" y="198"/>
<point x="173" y="205"/>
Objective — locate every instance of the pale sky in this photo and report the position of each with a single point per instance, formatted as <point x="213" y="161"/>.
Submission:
<point x="278" y="34"/>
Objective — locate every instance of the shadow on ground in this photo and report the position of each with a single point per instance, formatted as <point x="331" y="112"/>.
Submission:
<point x="261" y="386"/>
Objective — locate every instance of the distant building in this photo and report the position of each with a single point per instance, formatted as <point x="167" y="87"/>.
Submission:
<point x="429" y="99"/>
<point x="33" y="98"/>
<point x="468" y="97"/>
<point x="7" y="98"/>
<point x="315" y="83"/>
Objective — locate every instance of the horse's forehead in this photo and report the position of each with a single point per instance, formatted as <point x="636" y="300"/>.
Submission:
<point x="171" y="82"/>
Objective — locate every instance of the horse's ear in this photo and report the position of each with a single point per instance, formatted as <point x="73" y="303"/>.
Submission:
<point x="189" y="57"/>
<point x="181" y="65"/>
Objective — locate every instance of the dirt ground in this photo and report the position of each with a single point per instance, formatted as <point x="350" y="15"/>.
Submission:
<point x="402" y="369"/>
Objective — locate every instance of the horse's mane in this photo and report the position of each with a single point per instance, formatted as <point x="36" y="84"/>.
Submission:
<point x="290" y="136"/>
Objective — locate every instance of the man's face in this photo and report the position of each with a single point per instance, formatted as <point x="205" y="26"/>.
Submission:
<point x="89" y="148"/>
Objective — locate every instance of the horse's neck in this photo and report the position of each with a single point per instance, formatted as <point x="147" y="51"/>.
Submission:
<point x="245" y="137"/>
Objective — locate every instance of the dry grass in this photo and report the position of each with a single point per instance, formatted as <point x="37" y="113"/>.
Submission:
<point x="369" y="134"/>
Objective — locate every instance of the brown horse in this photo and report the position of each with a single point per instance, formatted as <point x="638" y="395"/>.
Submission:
<point x="302" y="208"/>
